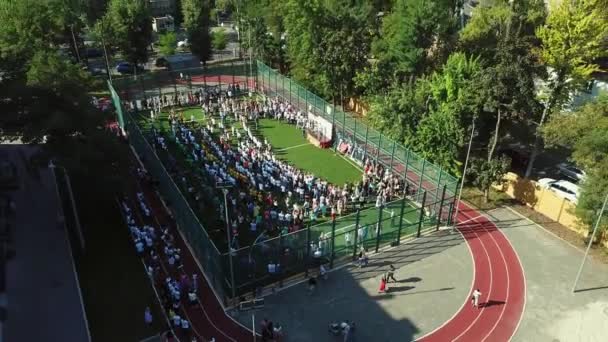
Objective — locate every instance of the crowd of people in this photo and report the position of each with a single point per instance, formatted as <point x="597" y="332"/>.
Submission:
<point x="268" y="195"/>
<point x="156" y="246"/>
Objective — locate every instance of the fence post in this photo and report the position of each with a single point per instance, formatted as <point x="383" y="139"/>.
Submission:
<point x="333" y="125"/>
<point x="280" y="257"/>
<point x="307" y="248"/>
<point x="438" y="184"/>
<point x="333" y="243"/>
<point x="379" y="226"/>
<point x="205" y="76"/>
<point x="392" y="157"/>
<point x="356" y="232"/>
<point x="401" y="220"/>
<point x="421" y="177"/>
<point x="232" y="68"/>
<point x="407" y="163"/>
<point x="355" y="133"/>
<point x="450" y="216"/>
<point x="343" y="123"/>
<point x="289" y="90"/>
<point x="440" y="208"/>
<point x="378" y="149"/>
<point x="421" y="217"/>
<point x="365" y="148"/>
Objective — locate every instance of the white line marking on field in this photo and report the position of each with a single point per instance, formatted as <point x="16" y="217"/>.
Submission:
<point x="291" y="147"/>
<point x="350" y="162"/>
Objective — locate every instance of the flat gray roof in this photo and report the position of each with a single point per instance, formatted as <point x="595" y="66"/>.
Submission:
<point x="42" y="291"/>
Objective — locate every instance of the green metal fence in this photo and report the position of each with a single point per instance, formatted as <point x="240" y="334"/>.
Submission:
<point x="168" y="82"/>
<point x="373" y="144"/>
<point x="426" y="208"/>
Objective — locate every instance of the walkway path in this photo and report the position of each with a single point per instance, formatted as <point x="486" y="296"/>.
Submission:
<point x="553" y="312"/>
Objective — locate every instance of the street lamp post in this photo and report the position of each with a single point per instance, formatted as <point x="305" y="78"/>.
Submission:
<point x="464" y="173"/>
<point x="597" y="224"/>
<point x="225" y="187"/>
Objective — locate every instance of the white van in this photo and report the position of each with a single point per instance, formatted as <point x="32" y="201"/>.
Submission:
<point x="562" y="188"/>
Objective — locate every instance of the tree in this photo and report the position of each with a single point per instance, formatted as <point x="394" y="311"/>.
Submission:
<point x="327" y="43"/>
<point x="167" y="43"/>
<point x="129" y="24"/>
<point x="219" y="40"/>
<point x="29" y="26"/>
<point x="507" y="88"/>
<point x="414" y="37"/>
<point x="398" y="112"/>
<point x="484" y="173"/>
<point x="95" y="10"/>
<point x="196" y="22"/>
<point x="586" y="132"/>
<point x="50" y="70"/>
<point x="490" y="24"/>
<point x="572" y="40"/>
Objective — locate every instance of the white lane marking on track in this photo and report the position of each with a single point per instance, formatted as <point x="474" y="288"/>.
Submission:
<point x="489" y="292"/>
<point x="504" y="260"/>
<point x="466" y="300"/>
<point x="521" y="266"/>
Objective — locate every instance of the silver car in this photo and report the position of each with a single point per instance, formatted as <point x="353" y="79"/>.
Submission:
<point x="572" y="172"/>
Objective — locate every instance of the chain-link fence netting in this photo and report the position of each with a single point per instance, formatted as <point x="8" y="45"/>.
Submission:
<point x="269" y="260"/>
<point x="366" y="142"/>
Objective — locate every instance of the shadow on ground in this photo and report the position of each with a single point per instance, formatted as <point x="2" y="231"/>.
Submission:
<point x="351" y="293"/>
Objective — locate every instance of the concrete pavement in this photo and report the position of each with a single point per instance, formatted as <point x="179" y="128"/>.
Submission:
<point x="553" y="313"/>
<point x="434" y="274"/>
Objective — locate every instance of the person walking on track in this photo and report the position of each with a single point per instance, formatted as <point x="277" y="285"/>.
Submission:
<point x="475" y="298"/>
<point x="390" y="274"/>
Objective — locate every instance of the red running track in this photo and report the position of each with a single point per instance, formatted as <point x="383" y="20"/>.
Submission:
<point x="208" y="320"/>
<point x="498" y="274"/>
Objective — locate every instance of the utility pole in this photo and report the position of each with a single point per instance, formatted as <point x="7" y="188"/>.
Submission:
<point x="105" y="53"/>
<point x="597" y="224"/>
<point x="75" y="45"/>
<point x="464" y="173"/>
<point x="225" y="187"/>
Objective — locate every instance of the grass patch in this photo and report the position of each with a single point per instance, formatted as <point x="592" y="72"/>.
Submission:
<point x="323" y="163"/>
<point x="496" y="199"/>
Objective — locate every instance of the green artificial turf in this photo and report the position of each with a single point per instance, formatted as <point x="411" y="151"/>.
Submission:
<point x="290" y="145"/>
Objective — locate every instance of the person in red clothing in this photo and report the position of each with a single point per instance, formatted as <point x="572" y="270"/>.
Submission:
<point x="382" y="288"/>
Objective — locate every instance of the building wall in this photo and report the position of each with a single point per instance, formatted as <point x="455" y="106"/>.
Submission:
<point x="543" y="201"/>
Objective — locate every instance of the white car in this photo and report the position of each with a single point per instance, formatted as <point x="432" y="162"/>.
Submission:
<point x="562" y="188"/>
<point x="571" y="172"/>
<point x="182" y="44"/>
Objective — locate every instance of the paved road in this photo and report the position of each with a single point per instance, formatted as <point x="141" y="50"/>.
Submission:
<point x="553" y="313"/>
<point x="44" y="302"/>
<point x="434" y="275"/>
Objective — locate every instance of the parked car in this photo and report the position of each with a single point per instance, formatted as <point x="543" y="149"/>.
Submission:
<point x="562" y="188"/>
<point x="571" y="171"/>
<point x="183" y="43"/>
<point x="127" y="68"/>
